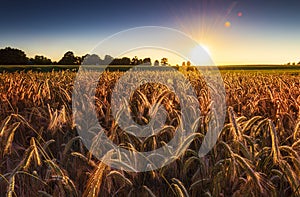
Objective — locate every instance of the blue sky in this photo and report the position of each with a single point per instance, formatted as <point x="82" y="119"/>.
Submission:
<point x="264" y="32"/>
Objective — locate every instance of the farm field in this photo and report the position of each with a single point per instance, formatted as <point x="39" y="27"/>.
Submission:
<point x="257" y="152"/>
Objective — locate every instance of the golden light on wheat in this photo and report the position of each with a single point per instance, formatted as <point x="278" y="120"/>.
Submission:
<point x="257" y="153"/>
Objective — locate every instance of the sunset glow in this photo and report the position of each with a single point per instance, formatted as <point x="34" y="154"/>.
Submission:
<point x="237" y="32"/>
<point x="150" y="98"/>
<point x="200" y="55"/>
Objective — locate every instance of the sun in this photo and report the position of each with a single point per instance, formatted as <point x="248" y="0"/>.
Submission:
<point x="206" y="48"/>
<point x="200" y="55"/>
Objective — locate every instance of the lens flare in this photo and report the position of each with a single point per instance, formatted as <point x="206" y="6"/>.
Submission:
<point x="200" y="55"/>
<point x="227" y="24"/>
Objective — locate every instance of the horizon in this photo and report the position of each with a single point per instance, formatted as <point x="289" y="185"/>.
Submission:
<point x="152" y="60"/>
<point x="234" y="32"/>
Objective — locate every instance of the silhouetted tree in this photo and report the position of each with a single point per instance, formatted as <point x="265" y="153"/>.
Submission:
<point x="183" y="64"/>
<point x="40" y="60"/>
<point x="156" y="63"/>
<point x="140" y="61"/>
<point x="119" y="61"/>
<point x="147" y="61"/>
<point x="188" y="64"/>
<point x="91" y="60"/>
<point x="107" y="60"/>
<point x="135" y="61"/>
<point x="10" y="56"/>
<point x="164" y="61"/>
<point x="78" y="60"/>
<point x="116" y="61"/>
<point x="83" y="57"/>
<point x="70" y="59"/>
<point x="125" y="61"/>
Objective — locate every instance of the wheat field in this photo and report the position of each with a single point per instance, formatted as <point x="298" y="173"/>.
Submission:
<point x="257" y="152"/>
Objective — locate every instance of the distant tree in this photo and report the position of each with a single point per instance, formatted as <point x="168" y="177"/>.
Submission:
<point x="107" y="60"/>
<point x="30" y="61"/>
<point x="10" y="56"/>
<point x="83" y="57"/>
<point x="121" y="61"/>
<point x="134" y="61"/>
<point x="115" y="61"/>
<point x="183" y="64"/>
<point x="164" y="61"/>
<point x="298" y="63"/>
<point x="140" y="61"/>
<point x="68" y="59"/>
<point x="188" y="64"/>
<point x="78" y="60"/>
<point x="40" y="60"/>
<point x="126" y="61"/>
<point x="156" y="63"/>
<point x="147" y="61"/>
<point x="91" y="60"/>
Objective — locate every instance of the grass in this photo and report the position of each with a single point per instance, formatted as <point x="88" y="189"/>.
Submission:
<point x="257" y="153"/>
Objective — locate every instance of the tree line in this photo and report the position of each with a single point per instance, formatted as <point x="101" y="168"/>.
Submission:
<point x="293" y="64"/>
<point x="12" y="56"/>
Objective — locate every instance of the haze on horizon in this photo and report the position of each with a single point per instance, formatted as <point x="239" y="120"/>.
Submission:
<point x="235" y="32"/>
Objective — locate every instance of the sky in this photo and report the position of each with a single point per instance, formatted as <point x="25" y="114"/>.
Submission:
<point x="234" y="32"/>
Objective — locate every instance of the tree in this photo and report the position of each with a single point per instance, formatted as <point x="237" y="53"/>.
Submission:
<point x="147" y="61"/>
<point x="164" y="61"/>
<point x="70" y="59"/>
<point x="125" y="61"/>
<point x="10" y="56"/>
<point x="91" y="60"/>
<point x="156" y="63"/>
<point x="107" y="60"/>
<point x="78" y="60"/>
<point x="135" y="61"/>
<point x="188" y="64"/>
<point x="83" y="57"/>
<point x="120" y="61"/>
<point x="40" y="60"/>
